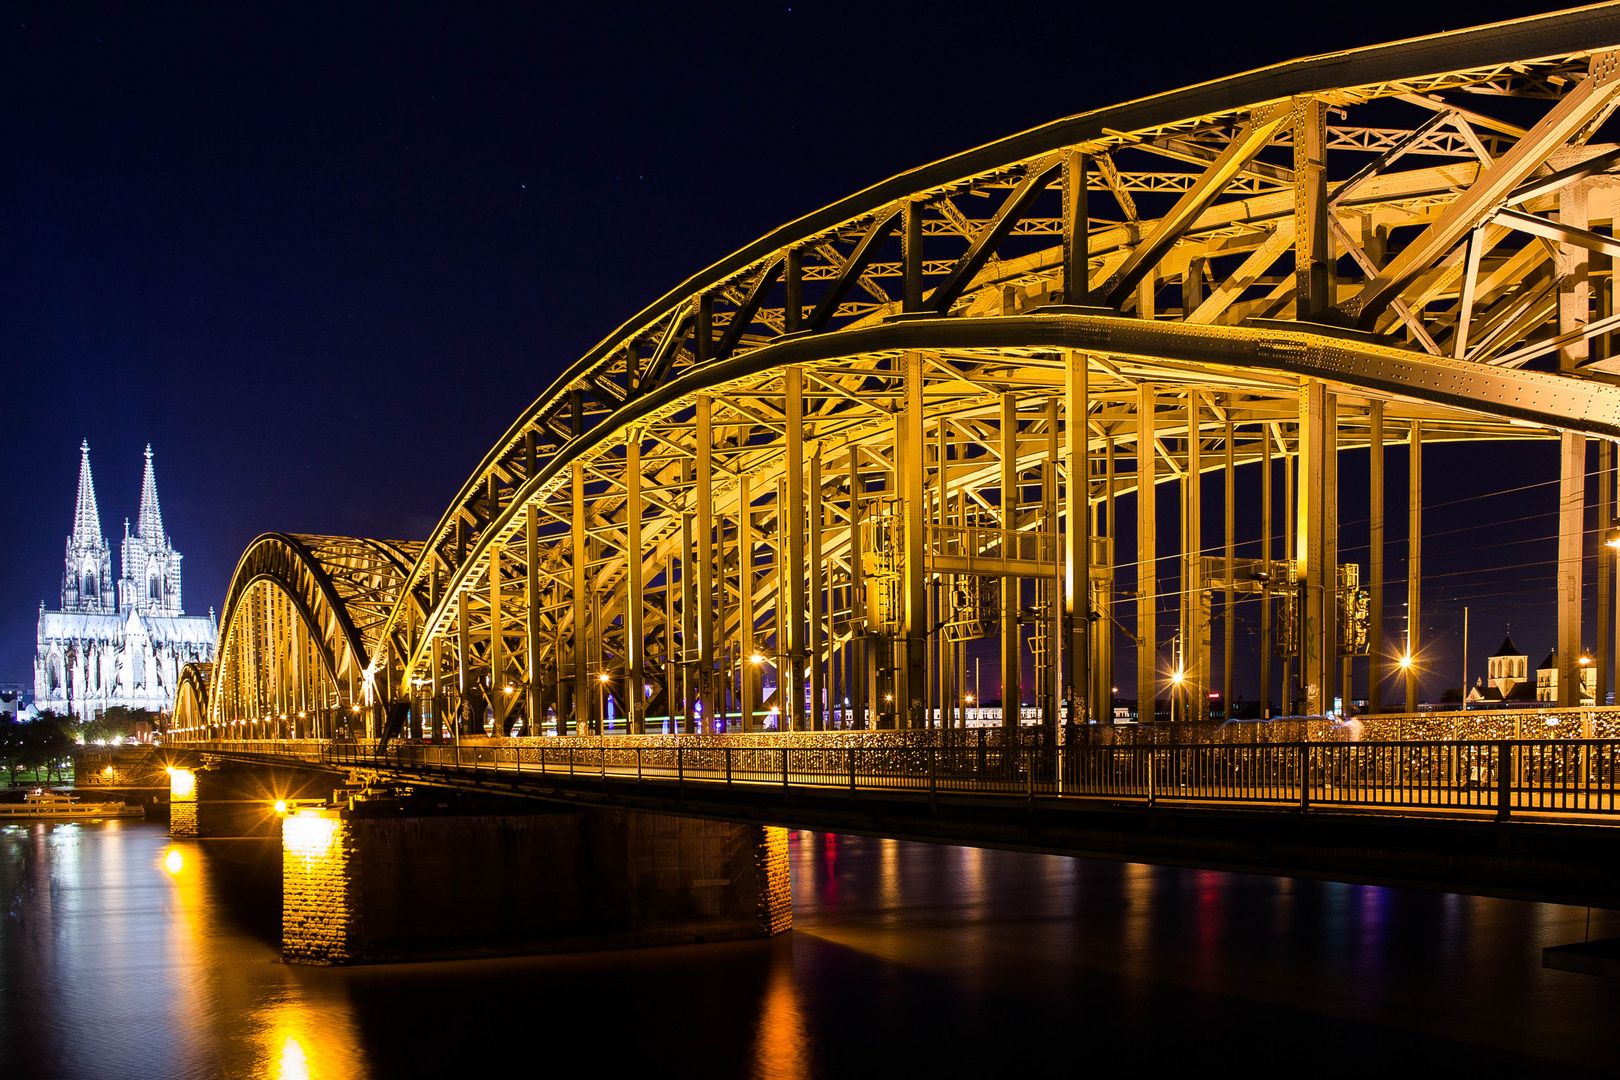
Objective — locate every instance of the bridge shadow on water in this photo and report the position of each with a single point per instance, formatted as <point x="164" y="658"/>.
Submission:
<point x="128" y="954"/>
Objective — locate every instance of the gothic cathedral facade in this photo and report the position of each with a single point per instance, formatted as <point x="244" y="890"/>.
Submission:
<point x="117" y="641"/>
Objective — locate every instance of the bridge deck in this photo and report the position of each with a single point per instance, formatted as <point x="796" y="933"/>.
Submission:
<point x="1424" y="815"/>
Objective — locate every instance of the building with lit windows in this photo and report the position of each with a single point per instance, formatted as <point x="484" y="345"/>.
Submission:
<point x="117" y="641"/>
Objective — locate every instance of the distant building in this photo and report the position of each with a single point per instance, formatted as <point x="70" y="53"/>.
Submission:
<point x="1547" y="681"/>
<point x="1508" y="678"/>
<point x="1509" y="682"/>
<point x="124" y="641"/>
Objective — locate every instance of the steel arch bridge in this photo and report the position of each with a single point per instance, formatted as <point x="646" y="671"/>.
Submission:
<point x="907" y="420"/>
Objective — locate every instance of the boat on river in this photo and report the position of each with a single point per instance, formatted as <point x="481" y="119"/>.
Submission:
<point x="42" y="805"/>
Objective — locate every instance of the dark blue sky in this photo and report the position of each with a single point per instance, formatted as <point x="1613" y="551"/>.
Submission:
<point x="321" y="259"/>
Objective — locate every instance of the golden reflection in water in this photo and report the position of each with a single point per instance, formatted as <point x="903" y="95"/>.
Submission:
<point x="307" y="1039"/>
<point x="782" y="1044"/>
<point x="973" y="874"/>
<point x="294" y="1064"/>
<point x="185" y="931"/>
<point x="1138" y="888"/>
<point x="889" y="872"/>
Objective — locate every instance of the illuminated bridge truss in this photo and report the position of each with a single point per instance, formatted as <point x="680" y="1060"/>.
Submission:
<point x="302" y="621"/>
<point x="908" y="418"/>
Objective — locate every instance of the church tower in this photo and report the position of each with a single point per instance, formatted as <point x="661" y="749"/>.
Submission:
<point x="151" y="581"/>
<point x="87" y="581"/>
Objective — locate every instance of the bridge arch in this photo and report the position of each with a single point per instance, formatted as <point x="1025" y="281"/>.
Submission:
<point x="934" y="386"/>
<point x="191" y="700"/>
<point x="302" y="633"/>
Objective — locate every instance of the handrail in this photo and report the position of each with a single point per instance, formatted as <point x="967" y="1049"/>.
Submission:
<point x="1482" y="778"/>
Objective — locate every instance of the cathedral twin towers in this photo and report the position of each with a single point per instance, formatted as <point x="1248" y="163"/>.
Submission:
<point x="117" y="641"/>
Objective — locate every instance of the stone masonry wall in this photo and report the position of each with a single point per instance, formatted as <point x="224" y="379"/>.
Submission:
<point x="322" y="920"/>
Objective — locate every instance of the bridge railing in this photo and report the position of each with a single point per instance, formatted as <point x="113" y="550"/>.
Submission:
<point x="1559" y="776"/>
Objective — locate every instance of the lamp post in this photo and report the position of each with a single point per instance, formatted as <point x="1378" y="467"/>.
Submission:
<point x="601" y="699"/>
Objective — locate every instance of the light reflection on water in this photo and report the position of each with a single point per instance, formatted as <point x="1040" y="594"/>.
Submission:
<point x="125" y="954"/>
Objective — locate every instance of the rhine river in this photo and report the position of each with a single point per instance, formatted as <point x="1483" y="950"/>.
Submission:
<point x="124" y="954"/>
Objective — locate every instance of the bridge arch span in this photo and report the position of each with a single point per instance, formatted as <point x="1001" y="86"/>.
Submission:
<point x="303" y="631"/>
<point x="801" y="481"/>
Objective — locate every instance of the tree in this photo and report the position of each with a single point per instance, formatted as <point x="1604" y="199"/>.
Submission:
<point x="117" y="724"/>
<point x="47" y="742"/>
<point x="11" y="743"/>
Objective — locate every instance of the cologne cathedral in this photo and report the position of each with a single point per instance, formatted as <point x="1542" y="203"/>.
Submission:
<point x="117" y="641"/>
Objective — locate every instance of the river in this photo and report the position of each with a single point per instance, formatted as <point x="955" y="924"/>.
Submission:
<point x="126" y="954"/>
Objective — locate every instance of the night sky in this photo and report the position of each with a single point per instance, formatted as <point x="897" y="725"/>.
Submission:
<point x="321" y="259"/>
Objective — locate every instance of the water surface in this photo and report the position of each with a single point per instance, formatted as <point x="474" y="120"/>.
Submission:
<point x="124" y="954"/>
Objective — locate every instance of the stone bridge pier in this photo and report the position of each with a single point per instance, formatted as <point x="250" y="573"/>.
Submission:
<point x="371" y="874"/>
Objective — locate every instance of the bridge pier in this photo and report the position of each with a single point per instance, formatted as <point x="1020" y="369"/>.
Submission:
<point x="372" y="884"/>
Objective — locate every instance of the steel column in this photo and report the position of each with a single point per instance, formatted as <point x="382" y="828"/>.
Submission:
<point x="1268" y="552"/>
<point x="707" y="600"/>
<point x="1076" y="288"/>
<point x="914" y="499"/>
<point x="1414" y="562"/>
<point x="746" y="645"/>
<point x="1147" y="541"/>
<point x="1375" y="559"/>
<point x="1317" y="536"/>
<point x="1077" y="539"/>
<point x="1605" y="567"/>
<point x="793" y="527"/>
<point x="1051" y="679"/>
<point x="1571" y="537"/>
<point x="1194" y="652"/>
<point x="1102" y="629"/>
<point x="1011" y="600"/>
<point x="635" y="693"/>
<point x="859" y="634"/>
<point x="581" y="604"/>
<point x="1229" y="617"/>
<point x="817" y="605"/>
<point x="1313" y="246"/>
<point x="498" y="698"/>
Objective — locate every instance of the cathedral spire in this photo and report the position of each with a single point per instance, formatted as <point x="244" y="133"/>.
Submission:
<point x="149" y="523"/>
<point x="86" y="518"/>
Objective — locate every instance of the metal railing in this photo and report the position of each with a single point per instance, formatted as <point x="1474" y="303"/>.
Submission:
<point x="1562" y="777"/>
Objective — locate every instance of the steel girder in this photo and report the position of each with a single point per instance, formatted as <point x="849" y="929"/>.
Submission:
<point x="1228" y="239"/>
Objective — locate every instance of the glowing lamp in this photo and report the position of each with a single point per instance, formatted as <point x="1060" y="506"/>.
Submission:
<point x="281" y="806"/>
<point x="309" y="834"/>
